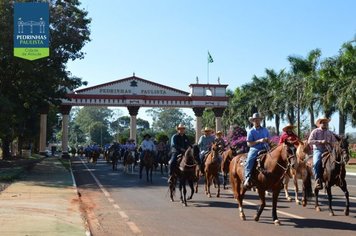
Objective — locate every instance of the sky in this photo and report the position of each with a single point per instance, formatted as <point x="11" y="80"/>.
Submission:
<point x="167" y="41"/>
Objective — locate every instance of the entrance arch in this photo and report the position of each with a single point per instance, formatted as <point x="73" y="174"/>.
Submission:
<point x="134" y="92"/>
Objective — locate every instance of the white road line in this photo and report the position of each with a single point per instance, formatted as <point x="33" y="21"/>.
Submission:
<point x="279" y="211"/>
<point x="131" y="224"/>
<point x="133" y="227"/>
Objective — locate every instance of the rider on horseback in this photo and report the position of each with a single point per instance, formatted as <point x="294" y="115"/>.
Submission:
<point x="319" y="138"/>
<point x="146" y="145"/>
<point x="179" y="144"/>
<point x="204" y="145"/>
<point x="257" y="138"/>
<point x="289" y="135"/>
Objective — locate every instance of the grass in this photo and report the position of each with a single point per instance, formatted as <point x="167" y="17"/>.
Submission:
<point x="11" y="174"/>
<point x="14" y="168"/>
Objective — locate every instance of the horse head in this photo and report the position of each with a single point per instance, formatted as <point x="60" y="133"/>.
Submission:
<point x="344" y="149"/>
<point x="290" y="155"/>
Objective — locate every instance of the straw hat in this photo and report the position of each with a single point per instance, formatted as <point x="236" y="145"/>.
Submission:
<point x="180" y="126"/>
<point x="289" y="126"/>
<point x="219" y="133"/>
<point x="320" y="120"/>
<point x="207" y="129"/>
<point x="255" y="116"/>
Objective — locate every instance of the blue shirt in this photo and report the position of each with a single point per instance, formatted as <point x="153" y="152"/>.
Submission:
<point x="255" y="134"/>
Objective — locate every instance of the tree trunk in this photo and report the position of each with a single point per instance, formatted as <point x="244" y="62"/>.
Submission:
<point x="6" y="148"/>
<point x="311" y="113"/>
<point x="342" y="123"/>
<point x="277" y="123"/>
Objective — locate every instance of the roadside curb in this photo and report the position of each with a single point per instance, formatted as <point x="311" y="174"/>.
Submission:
<point x="86" y="223"/>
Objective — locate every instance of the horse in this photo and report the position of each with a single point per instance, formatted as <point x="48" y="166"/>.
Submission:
<point x="333" y="162"/>
<point x="187" y="173"/>
<point x="114" y="155"/>
<point x="148" y="163"/>
<point x="275" y="165"/>
<point x="163" y="159"/>
<point x="129" y="160"/>
<point x="302" y="169"/>
<point x="212" y="168"/>
<point x="227" y="156"/>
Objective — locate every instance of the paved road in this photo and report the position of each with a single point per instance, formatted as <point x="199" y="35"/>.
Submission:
<point x="122" y="204"/>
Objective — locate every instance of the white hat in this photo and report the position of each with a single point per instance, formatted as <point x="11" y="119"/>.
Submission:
<point x="255" y="116"/>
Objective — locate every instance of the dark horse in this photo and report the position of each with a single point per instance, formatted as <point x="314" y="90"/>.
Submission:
<point x="275" y="165"/>
<point x="334" y="173"/>
<point x="163" y="158"/>
<point x="148" y="163"/>
<point x="114" y="155"/>
<point x="185" y="173"/>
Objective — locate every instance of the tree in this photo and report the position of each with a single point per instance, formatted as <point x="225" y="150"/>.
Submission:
<point x="26" y="87"/>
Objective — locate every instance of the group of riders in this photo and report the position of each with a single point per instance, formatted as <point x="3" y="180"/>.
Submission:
<point x="321" y="139"/>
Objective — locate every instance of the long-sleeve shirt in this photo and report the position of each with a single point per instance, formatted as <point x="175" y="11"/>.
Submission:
<point x="205" y="142"/>
<point x="318" y="135"/>
<point x="179" y="142"/>
<point x="290" y="137"/>
<point x="148" y="145"/>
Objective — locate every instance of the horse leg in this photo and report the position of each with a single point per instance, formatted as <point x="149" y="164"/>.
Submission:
<point x="172" y="186"/>
<point x="296" y="189"/>
<point x="286" y="181"/>
<point x="191" y="185"/>
<point x="151" y="175"/>
<point x="330" y="199"/>
<point x="208" y="181"/>
<point x="218" y="183"/>
<point x="346" y="192"/>
<point x="147" y="173"/>
<point x="261" y="193"/>
<point x="239" y="197"/>
<point x="274" y="206"/>
<point x="316" y="193"/>
<point x="141" y="168"/>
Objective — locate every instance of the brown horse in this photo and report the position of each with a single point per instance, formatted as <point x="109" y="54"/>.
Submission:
<point x="276" y="164"/>
<point x="302" y="169"/>
<point x="227" y="156"/>
<point x="212" y="168"/>
<point x="148" y="163"/>
<point x="334" y="173"/>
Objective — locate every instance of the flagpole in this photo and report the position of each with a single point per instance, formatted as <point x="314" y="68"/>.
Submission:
<point x="208" y="71"/>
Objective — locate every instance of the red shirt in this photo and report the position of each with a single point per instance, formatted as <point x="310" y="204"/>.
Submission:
<point x="292" y="138"/>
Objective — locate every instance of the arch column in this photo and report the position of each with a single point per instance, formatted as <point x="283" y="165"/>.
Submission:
<point x="218" y="112"/>
<point x="198" y="111"/>
<point x="43" y="129"/>
<point x="65" y="122"/>
<point x="133" y="111"/>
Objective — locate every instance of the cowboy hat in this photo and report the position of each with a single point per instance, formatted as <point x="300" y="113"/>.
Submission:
<point x="180" y="126"/>
<point x="320" y="120"/>
<point x="255" y="116"/>
<point x="219" y="132"/>
<point x="207" y="129"/>
<point x="289" y="126"/>
<point x="147" y="135"/>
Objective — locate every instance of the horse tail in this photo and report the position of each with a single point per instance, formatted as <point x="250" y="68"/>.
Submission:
<point x="308" y="186"/>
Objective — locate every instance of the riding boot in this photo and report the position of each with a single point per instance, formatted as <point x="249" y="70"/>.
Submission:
<point x="319" y="184"/>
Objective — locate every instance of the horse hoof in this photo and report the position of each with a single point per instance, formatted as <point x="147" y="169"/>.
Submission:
<point x="331" y="214"/>
<point x="318" y="209"/>
<point x="277" y="222"/>
<point x="242" y="216"/>
<point x="297" y="202"/>
<point x="346" y="212"/>
<point x="256" y="218"/>
<point x="209" y="195"/>
<point x="217" y="195"/>
<point x="289" y="199"/>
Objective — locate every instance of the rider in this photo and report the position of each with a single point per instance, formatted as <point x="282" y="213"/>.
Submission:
<point x="147" y="145"/>
<point x="319" y="138"/>
<point x="179" y="144"/>
<point x="289" y="135"/>
<point x="219" y="141"/>
<point x="257" y="139"/>
<point x="204" y="145"/>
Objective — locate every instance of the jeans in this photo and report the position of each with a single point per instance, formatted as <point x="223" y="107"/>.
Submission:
<point x="250" y="161"/>
<point x="173" y="163"/>
<point x="317" y="163"/>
